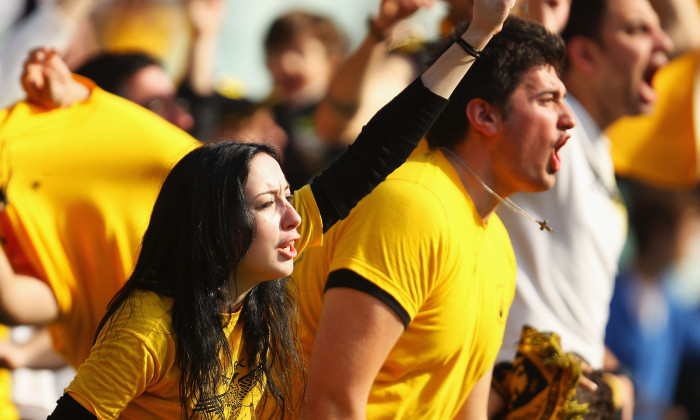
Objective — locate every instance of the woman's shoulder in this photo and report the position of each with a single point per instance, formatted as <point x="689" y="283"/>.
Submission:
<point x="143" y="314"/>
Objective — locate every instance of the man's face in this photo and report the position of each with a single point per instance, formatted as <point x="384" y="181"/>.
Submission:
<point x="301" y="69"/>
<point x="152" y="88"/>
<point x="532" y="130"/>
<point x="632" y="47"/>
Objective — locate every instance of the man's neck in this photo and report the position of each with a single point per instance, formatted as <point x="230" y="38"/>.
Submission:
<point x="474" y="176"/>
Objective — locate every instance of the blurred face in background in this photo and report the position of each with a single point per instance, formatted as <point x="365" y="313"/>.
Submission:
<point x="152" y="88"/>
<point x="552" y="14"/>
<point x="301" y="69"/>
<point x="630" y="49"/>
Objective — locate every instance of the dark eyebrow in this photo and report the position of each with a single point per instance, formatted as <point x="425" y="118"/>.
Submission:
<point x="554" y="92"/>
<point x="273" y="191"/>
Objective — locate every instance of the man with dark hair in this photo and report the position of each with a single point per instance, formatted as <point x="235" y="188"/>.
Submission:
<point x="302" y="52"/>
<point x="565" y="279"/>
<point x="140" y="78"/>
<point x="407" y="298"/>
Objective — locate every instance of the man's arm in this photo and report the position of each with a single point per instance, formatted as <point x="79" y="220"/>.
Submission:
<point x="356" y="332"/>
<point x="35" y="353"/>
<point x="368" y="78"/>
<point x="24" y="299"/>
<point x="478" y="404"/>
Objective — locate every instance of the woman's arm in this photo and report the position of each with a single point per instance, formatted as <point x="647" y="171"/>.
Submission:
<point x="392" y="134"/>
<point x="69" y="409"/>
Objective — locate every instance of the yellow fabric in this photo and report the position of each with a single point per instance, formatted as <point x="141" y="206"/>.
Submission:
<point x="161" y="29"/>
<point x="419" y="237"/>
<point x="541" y="383"/>
<point x="7" y="407"/>
<point x="661" y="148"/>
<point x="132" y="372"/>
<point x="81" y="182"/>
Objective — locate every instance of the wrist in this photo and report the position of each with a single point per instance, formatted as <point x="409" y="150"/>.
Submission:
<point x="376" y="30"/>
<point x="477" y="38"/>
<point x="77" y="92"/>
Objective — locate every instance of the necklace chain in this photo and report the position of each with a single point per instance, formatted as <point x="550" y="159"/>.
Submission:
<point x="544" y="225"/>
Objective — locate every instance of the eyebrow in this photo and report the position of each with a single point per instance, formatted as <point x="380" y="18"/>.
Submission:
<point x="273" y="191"/>
<point x="554" y="91"/>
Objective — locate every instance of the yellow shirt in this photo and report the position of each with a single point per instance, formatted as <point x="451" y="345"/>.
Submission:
<point x="7" y="407"/>
<point x="419" y="237"/>
<point x="81" y="183"/>
<point x="662" y="148"/>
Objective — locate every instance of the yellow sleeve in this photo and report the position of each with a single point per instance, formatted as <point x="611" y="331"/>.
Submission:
<point x="392" y="239"/>
<point x="130" y="354"/>
<point x="311" y="228"/>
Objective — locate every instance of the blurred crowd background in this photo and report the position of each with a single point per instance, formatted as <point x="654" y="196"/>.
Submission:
<point x="222" y="72"/>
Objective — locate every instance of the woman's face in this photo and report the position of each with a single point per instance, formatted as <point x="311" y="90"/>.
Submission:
<point x="271" y="253"/>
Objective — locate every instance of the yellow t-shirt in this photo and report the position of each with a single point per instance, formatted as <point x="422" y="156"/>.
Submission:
<point x="81" y="183"/>
<point x="132" y="371"/>
<point x="662" y="148"/>
<point x="419" y="237"/>
<point x="8" y="411"/>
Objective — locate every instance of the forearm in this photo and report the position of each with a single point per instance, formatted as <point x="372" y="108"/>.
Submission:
<point x="203" y="57"/>
<point x="478" y="405"/>
<point x="332" y="407"/>
<point x="679" y="18"/>
<point x="68" y="408"/>
<point x="24" y="299"/>
<point x="336" y="111"/>
<point x="38" y="353"/>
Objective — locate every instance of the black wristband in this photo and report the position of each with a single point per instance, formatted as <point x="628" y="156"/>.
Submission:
<point x="474" y="52"/>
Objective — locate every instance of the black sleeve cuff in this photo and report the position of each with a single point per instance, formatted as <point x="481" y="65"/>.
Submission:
<point x="68" y="408"/>
<point x="352" y="280"/>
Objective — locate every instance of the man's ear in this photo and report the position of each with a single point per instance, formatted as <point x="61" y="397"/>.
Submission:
<point x="581" y="53"/>
<point x="483" y="116"/>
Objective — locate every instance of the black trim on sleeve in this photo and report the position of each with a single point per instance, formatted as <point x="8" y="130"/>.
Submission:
<point x="383" y="145"/>
<point x="352" y="280"/>
<point x="69" y="409"/>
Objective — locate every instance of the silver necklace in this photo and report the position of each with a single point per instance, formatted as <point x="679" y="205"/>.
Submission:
<point x="544" y="225"/>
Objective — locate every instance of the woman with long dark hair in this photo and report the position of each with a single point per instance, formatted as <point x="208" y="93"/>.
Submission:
<point x="204" y="327"/>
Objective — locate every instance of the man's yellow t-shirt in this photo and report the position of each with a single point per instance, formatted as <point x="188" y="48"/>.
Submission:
<point x="419" y="238"/>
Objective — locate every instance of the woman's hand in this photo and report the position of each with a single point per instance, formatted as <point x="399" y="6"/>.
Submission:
<point x="489" y="16"/>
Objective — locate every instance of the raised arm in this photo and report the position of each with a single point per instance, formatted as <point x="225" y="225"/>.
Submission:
<point x="52" y="23"/>
<point x="368" y="78"/>
<point x="48" y="82"/>
<point x="392" y="134"/>
<point x="24" y="299"/>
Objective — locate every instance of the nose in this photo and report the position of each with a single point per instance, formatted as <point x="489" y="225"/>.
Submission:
<point x="662" y="42"/>
<point x="567" y="120"/>
<point x="290" y="219"/>
<point x="181" y="118"/>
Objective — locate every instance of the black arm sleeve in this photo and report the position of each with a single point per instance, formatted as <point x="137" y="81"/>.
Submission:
<point x="383" y="145"/>
<point x="352" y="280"/>
<point x="70" y="409"/>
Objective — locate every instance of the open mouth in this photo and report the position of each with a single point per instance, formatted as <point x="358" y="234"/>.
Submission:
<point x="646" y="90"/>
<point x="556" y="157"/>
<point x="288" y="250"/>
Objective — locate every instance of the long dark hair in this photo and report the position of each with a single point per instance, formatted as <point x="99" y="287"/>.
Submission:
<point x="199" y="232"/>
